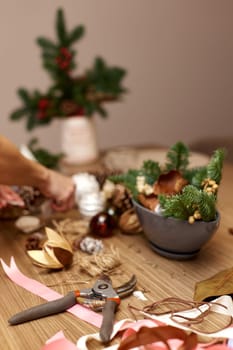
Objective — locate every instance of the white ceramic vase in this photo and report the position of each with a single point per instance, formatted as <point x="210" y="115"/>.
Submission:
<point x="79" y="140"/>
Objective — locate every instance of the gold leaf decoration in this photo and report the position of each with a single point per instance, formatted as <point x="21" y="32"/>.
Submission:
<point x="217" y="285"/>
<point x="56" y="252"/>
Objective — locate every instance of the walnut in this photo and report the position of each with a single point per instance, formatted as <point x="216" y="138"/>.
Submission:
<point x="129" y="223"/>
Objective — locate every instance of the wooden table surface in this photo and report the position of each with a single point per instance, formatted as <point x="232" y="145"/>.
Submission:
<point x="158" y="276"/>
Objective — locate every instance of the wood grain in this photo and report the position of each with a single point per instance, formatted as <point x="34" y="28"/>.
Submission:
<point x="158" y="276"/>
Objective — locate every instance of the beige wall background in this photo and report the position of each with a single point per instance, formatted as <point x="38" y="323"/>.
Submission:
<point x="178" y="53"/>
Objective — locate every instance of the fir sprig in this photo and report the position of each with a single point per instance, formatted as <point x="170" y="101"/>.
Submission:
<point x="149" y="169"/>
<point x="195" y="201"/>
<point x="184" y="205"/>
<point x="196" y="176"/>
<point x="69" y="94"/>
<point x="173" y="206"/>
<point x="128" y="180"/>
<point x="207" y="206"/>
<point x="43" y="156"/>
<point x="177" y="157"/>
<point x="214" y="167"/>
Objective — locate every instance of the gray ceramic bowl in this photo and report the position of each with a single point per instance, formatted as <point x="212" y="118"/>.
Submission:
<point x="173" y="238"/>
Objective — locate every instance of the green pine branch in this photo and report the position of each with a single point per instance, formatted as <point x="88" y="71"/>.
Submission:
<point x="87" y="92"/>
<point x="149" y="169"/>
<point x="106" y="79"/>
<point x="173" y="207"/>
<point x="207" y="206"/>
<point x="196" y="176"/>
<point x="193" y="197"/>
<point x="214" y="167"/>
<point x="128" y="180"/>
<point x="61" y="27"/>
<point x="43" y="156"/>
<point x="178" y="157"/>
<point x="184" y="205"/>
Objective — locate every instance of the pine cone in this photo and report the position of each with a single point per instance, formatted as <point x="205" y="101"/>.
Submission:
<point x="121" y="199"/>
<point x="69" y="107"/>
<point x="102" y="176"/>
<point x="32" y="197"/>
<point x="35" y="241"/>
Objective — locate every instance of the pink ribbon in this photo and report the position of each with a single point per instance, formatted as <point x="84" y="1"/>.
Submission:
<point x="48" y="294"/>
<point x="129" y="327"/>
<point x="59" y="342"/>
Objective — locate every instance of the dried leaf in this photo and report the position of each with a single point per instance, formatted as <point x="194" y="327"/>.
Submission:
<point x="217" y="285"/>
<point x="65" y="257"/>
<point x="56" y="240"/>
<point x="56" y="252"/>
<point x="149" y="202"/>
<point x="42" y="259"/>
<point x="50" y="252"/>
<point x="147" y="335"/>
<point x="170" y="183"/>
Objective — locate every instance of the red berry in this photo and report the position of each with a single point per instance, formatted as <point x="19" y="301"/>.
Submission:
<point x="43" y="103"/>
<point x="65" y="52"/>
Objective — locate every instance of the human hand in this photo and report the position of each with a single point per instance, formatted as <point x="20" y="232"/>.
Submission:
<point x="60" y="189"/>
<point x="9" y="197"/>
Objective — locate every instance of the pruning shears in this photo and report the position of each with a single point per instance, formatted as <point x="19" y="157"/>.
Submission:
<point x="101" y="297"/>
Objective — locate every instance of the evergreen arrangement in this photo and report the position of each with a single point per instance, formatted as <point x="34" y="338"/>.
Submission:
<point x="69" y="94"/>
<point x="43" y="156"/>
<point x="195" y="200"/>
